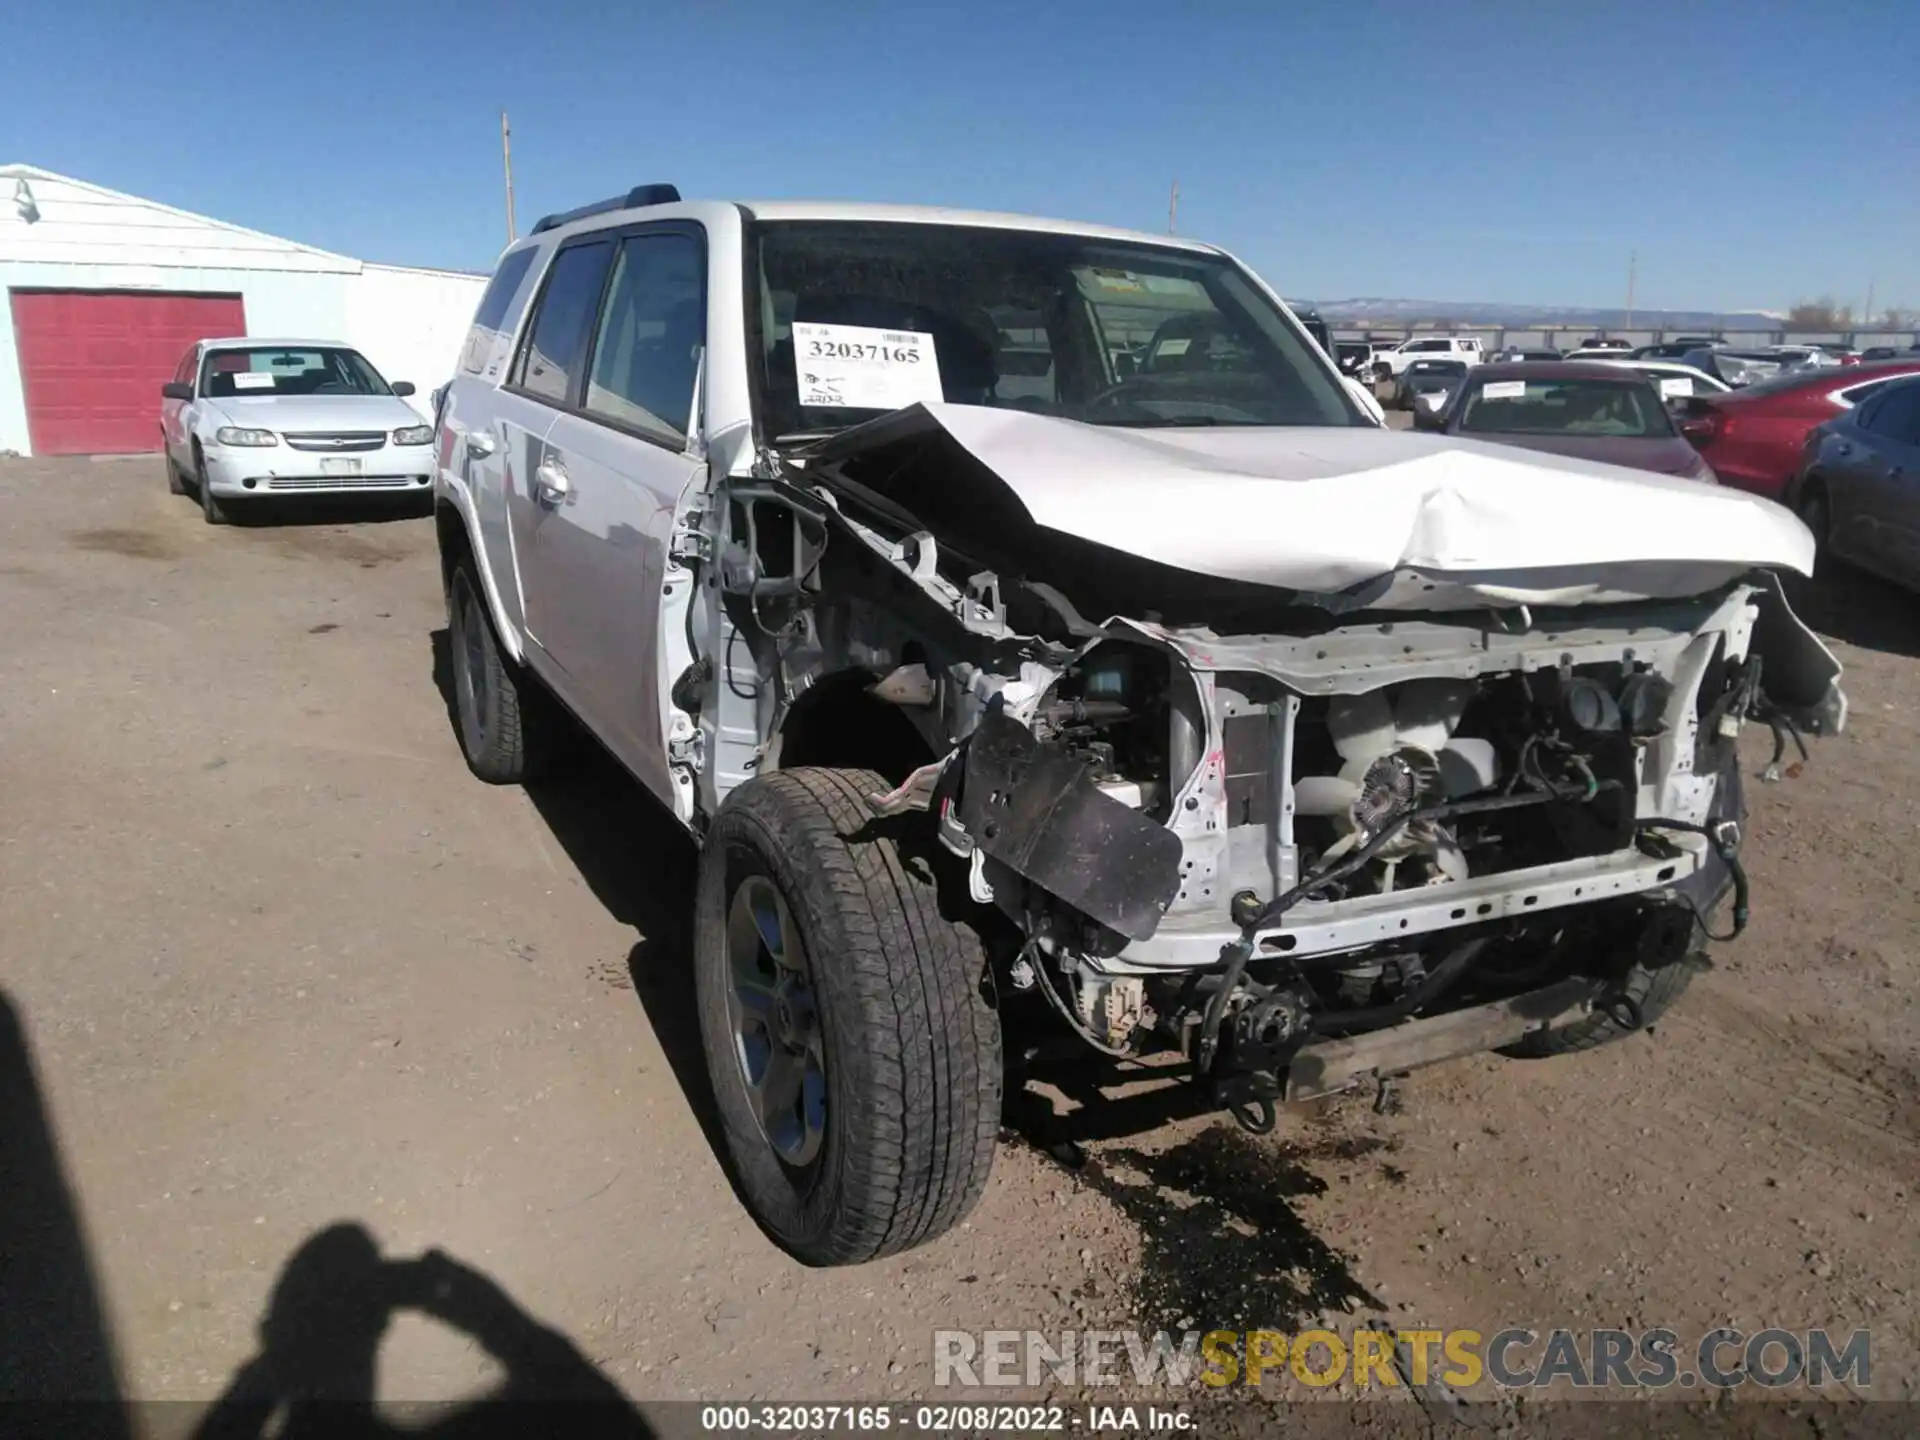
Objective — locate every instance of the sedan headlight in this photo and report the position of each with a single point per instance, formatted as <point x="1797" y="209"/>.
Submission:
<point x="413" y="435"/>
<point x="240" y="435"/>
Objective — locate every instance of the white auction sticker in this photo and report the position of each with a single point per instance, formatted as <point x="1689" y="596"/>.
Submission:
<point x="1504" y="390"/>
<point x="251" y="380"/>
<point x="857" y="367"/>
<point x="1679" y="386"/>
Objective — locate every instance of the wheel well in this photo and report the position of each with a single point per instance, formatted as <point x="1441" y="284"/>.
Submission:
<point x="837" y="724"/>
<point x="451" y="532"/>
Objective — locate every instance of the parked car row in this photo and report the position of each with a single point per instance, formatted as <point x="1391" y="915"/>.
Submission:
<point x="245" y="420"/>
<point x="1610" y="413"/>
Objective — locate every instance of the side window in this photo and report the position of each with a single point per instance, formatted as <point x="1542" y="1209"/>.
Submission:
<point x="549" y="360"/>
<point x="1860" y="394"/>
<point x="1428" y="347"/>
<point x="503" y="287"/>
<point x="1895" y="414"/>
<point x="647" y="351"/>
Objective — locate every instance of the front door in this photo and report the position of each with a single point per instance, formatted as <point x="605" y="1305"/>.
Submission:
<point x="603" y="492"/>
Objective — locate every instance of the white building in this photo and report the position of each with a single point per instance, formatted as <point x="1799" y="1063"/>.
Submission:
<point x="105" y="292"/>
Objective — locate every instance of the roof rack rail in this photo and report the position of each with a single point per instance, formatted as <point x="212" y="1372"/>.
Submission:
<point x="633" y="199"/>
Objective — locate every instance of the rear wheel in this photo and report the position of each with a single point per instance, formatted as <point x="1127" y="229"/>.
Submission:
<point x="499" y="710"/>
<point x="854" y="1057"/>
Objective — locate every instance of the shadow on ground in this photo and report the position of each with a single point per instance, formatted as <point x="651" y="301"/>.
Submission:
<point x="56" y="1348"/>
<point x="329" y="510"/>
<point x="320" y="1341"/>
<point x="314" y="1374"/>
<point x="640" y="864"/>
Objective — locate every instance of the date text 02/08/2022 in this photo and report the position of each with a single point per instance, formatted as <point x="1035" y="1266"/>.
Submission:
<point x="970" y="1419"/>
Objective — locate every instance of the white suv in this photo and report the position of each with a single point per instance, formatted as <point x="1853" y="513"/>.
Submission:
<point x="1427" y="347"/>
<point x="1026" y="618"/>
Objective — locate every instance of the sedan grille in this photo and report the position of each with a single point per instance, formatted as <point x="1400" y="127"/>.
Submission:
<point x="342" y="482"/>
<point x="335" y="442"/>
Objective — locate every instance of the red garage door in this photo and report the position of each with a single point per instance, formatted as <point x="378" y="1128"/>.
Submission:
<point x="92" y="362"/>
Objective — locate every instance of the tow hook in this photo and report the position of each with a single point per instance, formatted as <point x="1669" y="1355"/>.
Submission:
<point x="1624" y="1011"/>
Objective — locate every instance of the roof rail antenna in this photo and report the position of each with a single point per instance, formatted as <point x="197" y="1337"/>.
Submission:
<point x="635" y="198"/>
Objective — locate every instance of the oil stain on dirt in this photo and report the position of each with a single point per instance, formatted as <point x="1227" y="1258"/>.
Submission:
<point x="136" y="544"/>
<point x="1222" y="1244"/>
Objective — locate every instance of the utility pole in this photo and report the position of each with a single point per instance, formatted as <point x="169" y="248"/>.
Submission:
<point x="506" y="160"/>
<point x="1173" y="208"/>
<point x="1633" y="273"/>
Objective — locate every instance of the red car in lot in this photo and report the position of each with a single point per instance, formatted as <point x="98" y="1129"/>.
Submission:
<point x="1753" y="436"/>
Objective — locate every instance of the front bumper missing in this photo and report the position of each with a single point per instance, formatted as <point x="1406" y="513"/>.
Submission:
<point x="1333" y="1065"/>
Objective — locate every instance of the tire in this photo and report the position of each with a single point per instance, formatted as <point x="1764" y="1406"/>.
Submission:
<point x="899" y="1146"/>
<point x="176" y="482"/>
<point x="211" y="510"/>
<point x="1652" y="991"/>
<point x="500" y="714"/>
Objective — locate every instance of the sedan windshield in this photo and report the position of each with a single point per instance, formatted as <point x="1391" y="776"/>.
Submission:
<point x="1627" y="409"/>
<point x="280" y="371"/>
<point x="860" y="317"/>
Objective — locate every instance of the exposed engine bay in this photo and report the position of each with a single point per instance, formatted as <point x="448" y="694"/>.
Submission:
<point x="1270" y="831"/>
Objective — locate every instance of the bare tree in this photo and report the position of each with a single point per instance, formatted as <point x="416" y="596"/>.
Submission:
<point x="1821" y="314"/>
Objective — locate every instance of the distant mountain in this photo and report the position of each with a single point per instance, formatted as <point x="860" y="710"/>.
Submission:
<point x="1373" y="310"/>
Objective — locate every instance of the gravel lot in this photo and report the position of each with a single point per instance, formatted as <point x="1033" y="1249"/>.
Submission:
<point x="281" y="966"/>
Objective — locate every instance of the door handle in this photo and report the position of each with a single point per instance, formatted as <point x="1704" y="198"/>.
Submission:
<point x="479" y="444"/>
<point x="1843" y="448"/>
<point x="551" y="483"/>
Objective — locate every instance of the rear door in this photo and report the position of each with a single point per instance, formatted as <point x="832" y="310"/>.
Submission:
<point x="616" y="462"/>
<point x="547" y="374"/>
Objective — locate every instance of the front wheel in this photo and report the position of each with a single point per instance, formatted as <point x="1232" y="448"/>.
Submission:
<point x="211" y="510"/>
<point x="854" y="1056"/>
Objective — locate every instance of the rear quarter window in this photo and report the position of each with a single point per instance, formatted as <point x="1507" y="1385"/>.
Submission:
<point x="495" y="303"/>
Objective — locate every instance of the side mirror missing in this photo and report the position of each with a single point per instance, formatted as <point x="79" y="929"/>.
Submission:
<point x="402" y="388"/>
<point x="176" y="390"/>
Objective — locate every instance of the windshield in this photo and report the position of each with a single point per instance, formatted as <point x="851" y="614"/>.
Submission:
<point x="281" y="371"/>
<point x="860" y="317"/>
<point x="1628" y="409"/>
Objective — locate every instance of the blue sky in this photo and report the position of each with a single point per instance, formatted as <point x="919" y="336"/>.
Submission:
<point x="1753" y="153"/>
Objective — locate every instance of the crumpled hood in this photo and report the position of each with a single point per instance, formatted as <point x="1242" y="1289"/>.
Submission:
<point x="317" y="412"/>
<point x="1406" y="520"/>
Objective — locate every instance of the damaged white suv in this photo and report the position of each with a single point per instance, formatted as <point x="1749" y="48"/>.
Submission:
<point x="1026" y="614"/>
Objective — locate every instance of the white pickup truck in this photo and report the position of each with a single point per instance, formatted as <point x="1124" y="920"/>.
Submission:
<point x="1427" y="347"/>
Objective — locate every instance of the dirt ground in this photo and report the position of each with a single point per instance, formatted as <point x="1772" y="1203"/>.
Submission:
<point x="284" y="969"/>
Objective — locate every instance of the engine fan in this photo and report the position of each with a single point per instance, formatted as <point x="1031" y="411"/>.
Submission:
<point x="1398" y="753"/>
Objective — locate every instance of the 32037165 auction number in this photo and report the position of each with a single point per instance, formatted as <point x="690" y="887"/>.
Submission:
<point x="855" y="350"/>
<point x="785" y="1418"/>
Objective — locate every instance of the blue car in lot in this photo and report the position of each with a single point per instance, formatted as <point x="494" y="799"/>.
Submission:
<point x="1858" y="489"/>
